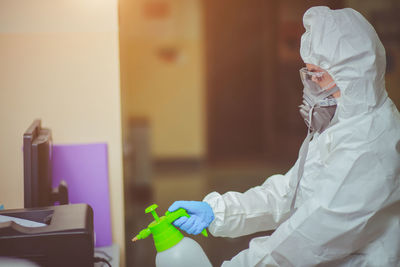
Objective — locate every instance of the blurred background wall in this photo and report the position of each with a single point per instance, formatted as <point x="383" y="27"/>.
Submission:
<point x="59" y="62"/>
<point x="162" y="78"/>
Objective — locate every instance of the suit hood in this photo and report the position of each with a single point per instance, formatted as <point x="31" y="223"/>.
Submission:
<point x="343" y="43"/>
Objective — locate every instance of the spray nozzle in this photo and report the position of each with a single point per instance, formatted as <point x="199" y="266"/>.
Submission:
<point x="163" y="225"/>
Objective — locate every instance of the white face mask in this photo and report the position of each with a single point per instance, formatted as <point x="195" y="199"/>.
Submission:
<point x="318" y="111"/>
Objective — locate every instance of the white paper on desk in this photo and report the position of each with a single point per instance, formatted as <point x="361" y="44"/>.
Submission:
<point x="23" y="222"/>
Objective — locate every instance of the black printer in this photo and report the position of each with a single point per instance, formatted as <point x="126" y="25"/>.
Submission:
<point x="67" y="239"/>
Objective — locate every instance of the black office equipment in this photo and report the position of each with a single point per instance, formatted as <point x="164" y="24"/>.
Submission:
<point x="38" y="191"/>
<point x="66" y="240"/>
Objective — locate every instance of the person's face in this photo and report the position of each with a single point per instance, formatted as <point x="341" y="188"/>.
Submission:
<point x="323" y="81"/>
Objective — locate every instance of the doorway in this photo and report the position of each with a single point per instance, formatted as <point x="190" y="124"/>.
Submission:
<point x="239" y="44"/>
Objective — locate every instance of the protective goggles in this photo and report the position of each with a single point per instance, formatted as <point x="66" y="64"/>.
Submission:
<point x="310" y="80"/>
<point x="305" y="74"/>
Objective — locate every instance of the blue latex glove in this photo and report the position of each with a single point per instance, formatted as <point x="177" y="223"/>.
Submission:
<point x="201" y="215"/>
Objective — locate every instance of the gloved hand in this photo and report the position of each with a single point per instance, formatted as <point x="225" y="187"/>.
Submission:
<point x="201" y="215"/>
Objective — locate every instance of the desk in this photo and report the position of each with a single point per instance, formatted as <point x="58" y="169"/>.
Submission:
<point x="110" y="253"/>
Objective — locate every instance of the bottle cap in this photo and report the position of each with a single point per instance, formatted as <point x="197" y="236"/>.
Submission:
<point x="165" y="235"/>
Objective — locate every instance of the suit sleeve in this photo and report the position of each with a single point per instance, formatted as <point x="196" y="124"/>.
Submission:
<point x="261" y="208"/>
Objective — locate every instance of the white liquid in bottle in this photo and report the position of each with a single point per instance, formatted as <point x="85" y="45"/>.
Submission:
<point x="187" y="253"/>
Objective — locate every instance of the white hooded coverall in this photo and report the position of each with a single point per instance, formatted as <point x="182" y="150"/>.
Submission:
<point x="347" y="206"/>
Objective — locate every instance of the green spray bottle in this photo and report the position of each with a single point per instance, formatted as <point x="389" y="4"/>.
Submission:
<point x="173" y="249"/>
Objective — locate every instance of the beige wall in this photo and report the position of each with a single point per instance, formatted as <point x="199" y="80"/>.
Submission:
<point x="59" y="61"/>
<point x="169" y="94"/>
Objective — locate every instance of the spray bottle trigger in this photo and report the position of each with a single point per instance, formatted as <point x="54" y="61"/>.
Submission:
<point x="172" y="216"/>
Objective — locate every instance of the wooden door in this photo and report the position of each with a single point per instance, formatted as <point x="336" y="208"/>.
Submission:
<point x="237" y="35"/>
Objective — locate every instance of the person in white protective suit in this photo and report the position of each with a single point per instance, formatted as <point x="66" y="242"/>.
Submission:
<point x="339" y="205"/>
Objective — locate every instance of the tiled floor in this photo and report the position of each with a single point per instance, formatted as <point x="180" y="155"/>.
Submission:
<point x="168" y="186"/>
